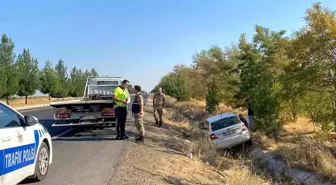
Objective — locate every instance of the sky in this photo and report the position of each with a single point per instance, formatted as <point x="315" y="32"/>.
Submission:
<point x="140" y="40"/>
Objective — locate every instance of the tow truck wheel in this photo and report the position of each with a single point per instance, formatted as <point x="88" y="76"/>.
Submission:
<point x="42" y="163"/>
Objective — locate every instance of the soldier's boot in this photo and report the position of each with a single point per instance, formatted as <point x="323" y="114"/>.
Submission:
<point x="156" y="121"/>
<point x="140" y="139"/>
<point x="160" y="123"/>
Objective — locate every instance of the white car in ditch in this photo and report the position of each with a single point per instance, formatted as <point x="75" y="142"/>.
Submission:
<point x="226" y="131"/>
<point x="25" y="147"/>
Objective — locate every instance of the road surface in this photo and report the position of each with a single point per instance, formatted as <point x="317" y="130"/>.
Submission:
<point x="83" y="158"/>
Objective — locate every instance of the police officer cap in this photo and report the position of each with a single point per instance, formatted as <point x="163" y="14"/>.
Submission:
<point x="137" y="87"/>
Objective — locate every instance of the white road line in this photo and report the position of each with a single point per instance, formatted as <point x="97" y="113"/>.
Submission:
<point x="63" y="133"/>
<point x="31" y="110"/>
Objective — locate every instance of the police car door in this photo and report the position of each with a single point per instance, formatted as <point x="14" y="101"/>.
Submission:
<point x="17" y="146"/>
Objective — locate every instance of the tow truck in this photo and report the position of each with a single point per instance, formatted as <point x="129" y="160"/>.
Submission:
<point x="95" y="109"/>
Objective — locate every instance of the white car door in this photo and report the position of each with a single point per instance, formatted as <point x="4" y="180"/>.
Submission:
<point x="18" y="147"/>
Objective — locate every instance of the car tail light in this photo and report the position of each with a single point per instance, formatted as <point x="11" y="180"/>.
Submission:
<point x="213" y="137"/>
<point x="63" y="113"/>
<point x="108" y="112"/>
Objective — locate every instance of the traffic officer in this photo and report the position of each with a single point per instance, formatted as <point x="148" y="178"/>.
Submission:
<point x="159" y="100"/>
<point x="138" y="112"/>
<point x="121" y="98"/>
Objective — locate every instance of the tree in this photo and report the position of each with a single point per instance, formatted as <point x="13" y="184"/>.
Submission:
<point x="315" y="52"/>
<point x="219" y="65"/>
<point x="74" y="79"/>
<point x="318" y="108"/>
<point x="77" y="82"/>
<point x="281" y="75"/>
<point x="177" y="83"/>
<point x="212" y="98"/>
<point x="261" y="64"/>
<point x="49" y="82"/>
<point x="62" y="75"/>
<point x="29" y="74"/>
<point x="94" y="73"/>
<point x="8" y="68"/>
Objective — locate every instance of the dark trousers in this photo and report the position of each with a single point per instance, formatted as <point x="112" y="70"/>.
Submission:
<point x="121" y="114"/>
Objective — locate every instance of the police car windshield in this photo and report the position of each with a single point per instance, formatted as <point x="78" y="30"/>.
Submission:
<point x="224" y="123"/>
<point x="8" y="118"/>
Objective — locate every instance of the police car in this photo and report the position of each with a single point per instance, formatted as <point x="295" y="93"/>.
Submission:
<point x="25" y="147"/>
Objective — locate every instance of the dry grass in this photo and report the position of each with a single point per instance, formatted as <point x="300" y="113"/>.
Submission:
<point x="20" y="102"/>
<point x="241" y="175"/>
<point x="162" y="159"/>
<point x="311" y="154"/>
<point x="236" y="170"/>
<point x="302" y="144"/>
<point x="307" y="147"/>
<point x="300" y="126"/>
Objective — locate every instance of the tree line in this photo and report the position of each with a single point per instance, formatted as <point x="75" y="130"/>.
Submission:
<point x="20" y="75"/>
<point x="284" y="75"/>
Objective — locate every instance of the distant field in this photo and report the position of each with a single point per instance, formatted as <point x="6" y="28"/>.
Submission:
<point x="20" y="101"/>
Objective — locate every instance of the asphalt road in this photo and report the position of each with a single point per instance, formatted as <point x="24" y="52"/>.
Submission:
<point x="45" y="115"/>
<point x="83" y="158"/>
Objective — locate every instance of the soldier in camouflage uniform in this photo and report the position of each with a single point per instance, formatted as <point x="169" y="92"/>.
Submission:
<point x="159" y="100"/>
<point x="138" y="112"/>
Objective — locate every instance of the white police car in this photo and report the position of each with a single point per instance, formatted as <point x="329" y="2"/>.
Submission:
<point x="25" y="147"/>
<point x="226" y="130"/>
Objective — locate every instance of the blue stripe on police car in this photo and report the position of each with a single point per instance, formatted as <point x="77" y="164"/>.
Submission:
<point x="18" y="157"/>
<point x="12" y="159"/>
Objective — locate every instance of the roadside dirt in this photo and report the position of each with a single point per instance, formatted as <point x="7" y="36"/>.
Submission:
<point x="162" y="159"/>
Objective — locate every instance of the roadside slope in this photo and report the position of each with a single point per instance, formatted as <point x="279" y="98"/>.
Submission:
<point x="162" y="160"/>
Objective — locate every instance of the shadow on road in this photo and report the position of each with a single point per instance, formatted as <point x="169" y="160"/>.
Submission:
<point x="53" y="131"/>
<point x="107" y="134"/>
<point x="28" y="181"/>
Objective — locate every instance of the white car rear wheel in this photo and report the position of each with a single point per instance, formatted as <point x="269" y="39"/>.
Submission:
<point x="42" y="163"/>
<point x="249" y="142"/>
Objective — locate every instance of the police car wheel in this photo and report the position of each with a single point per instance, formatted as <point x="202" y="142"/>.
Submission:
<point x="42" y="164"/>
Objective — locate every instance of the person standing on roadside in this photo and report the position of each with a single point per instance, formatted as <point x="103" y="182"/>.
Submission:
<point x="250" y="113"/>
<point x="121" y="99"/>
<point x="159" y="101"/>
<point x="138" y="112"/>
<point x="242" y="119"/>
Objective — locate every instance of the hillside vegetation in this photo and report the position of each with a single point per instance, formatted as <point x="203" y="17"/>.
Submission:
<point x="290" y="79"/>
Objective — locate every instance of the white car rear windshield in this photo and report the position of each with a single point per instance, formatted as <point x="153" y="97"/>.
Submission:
<point x="224" y="123"/>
